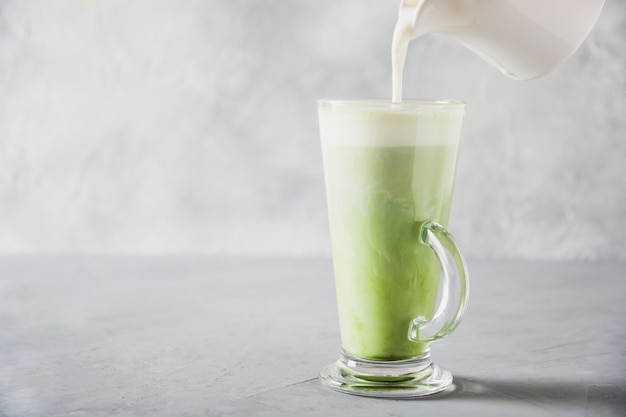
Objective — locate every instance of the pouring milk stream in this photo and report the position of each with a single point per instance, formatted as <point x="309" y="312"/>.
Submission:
<point x="524" y="39"/>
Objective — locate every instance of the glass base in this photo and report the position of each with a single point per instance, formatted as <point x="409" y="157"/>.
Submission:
<point x="416" y="377"/>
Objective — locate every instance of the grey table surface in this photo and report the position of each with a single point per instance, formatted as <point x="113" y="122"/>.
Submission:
<point x="194" y="336"/>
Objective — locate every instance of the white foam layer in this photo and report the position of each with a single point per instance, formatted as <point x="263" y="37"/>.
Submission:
<point x="386" y="125"/>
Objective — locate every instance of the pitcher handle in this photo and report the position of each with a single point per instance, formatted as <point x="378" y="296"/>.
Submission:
<point x="454" y="286"/>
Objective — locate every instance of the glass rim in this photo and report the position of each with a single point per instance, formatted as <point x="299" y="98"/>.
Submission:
<point x="388" y="105"/>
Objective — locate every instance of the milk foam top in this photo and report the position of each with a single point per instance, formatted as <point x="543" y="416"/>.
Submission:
<point x="382" y="123"/>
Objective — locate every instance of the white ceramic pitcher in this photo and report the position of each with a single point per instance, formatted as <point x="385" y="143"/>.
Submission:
<point x="522" y="38"/>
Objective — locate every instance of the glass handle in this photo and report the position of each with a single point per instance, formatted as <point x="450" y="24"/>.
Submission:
<point x="454" y="286"/>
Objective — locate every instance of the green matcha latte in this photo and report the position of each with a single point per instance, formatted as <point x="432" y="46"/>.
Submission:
<point x="387" y="168"/>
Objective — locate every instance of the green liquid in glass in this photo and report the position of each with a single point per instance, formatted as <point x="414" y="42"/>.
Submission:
<point x="384" y="276"/>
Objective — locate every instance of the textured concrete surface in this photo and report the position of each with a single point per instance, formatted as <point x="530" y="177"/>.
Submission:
<point x="158" y="126"/>
<point x="185" y="336"/>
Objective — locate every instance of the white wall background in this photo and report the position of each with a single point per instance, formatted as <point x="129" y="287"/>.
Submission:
<point x="163" y="126"/>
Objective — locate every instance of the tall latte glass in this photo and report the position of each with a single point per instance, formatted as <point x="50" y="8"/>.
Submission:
<point x="401" y="281"/>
